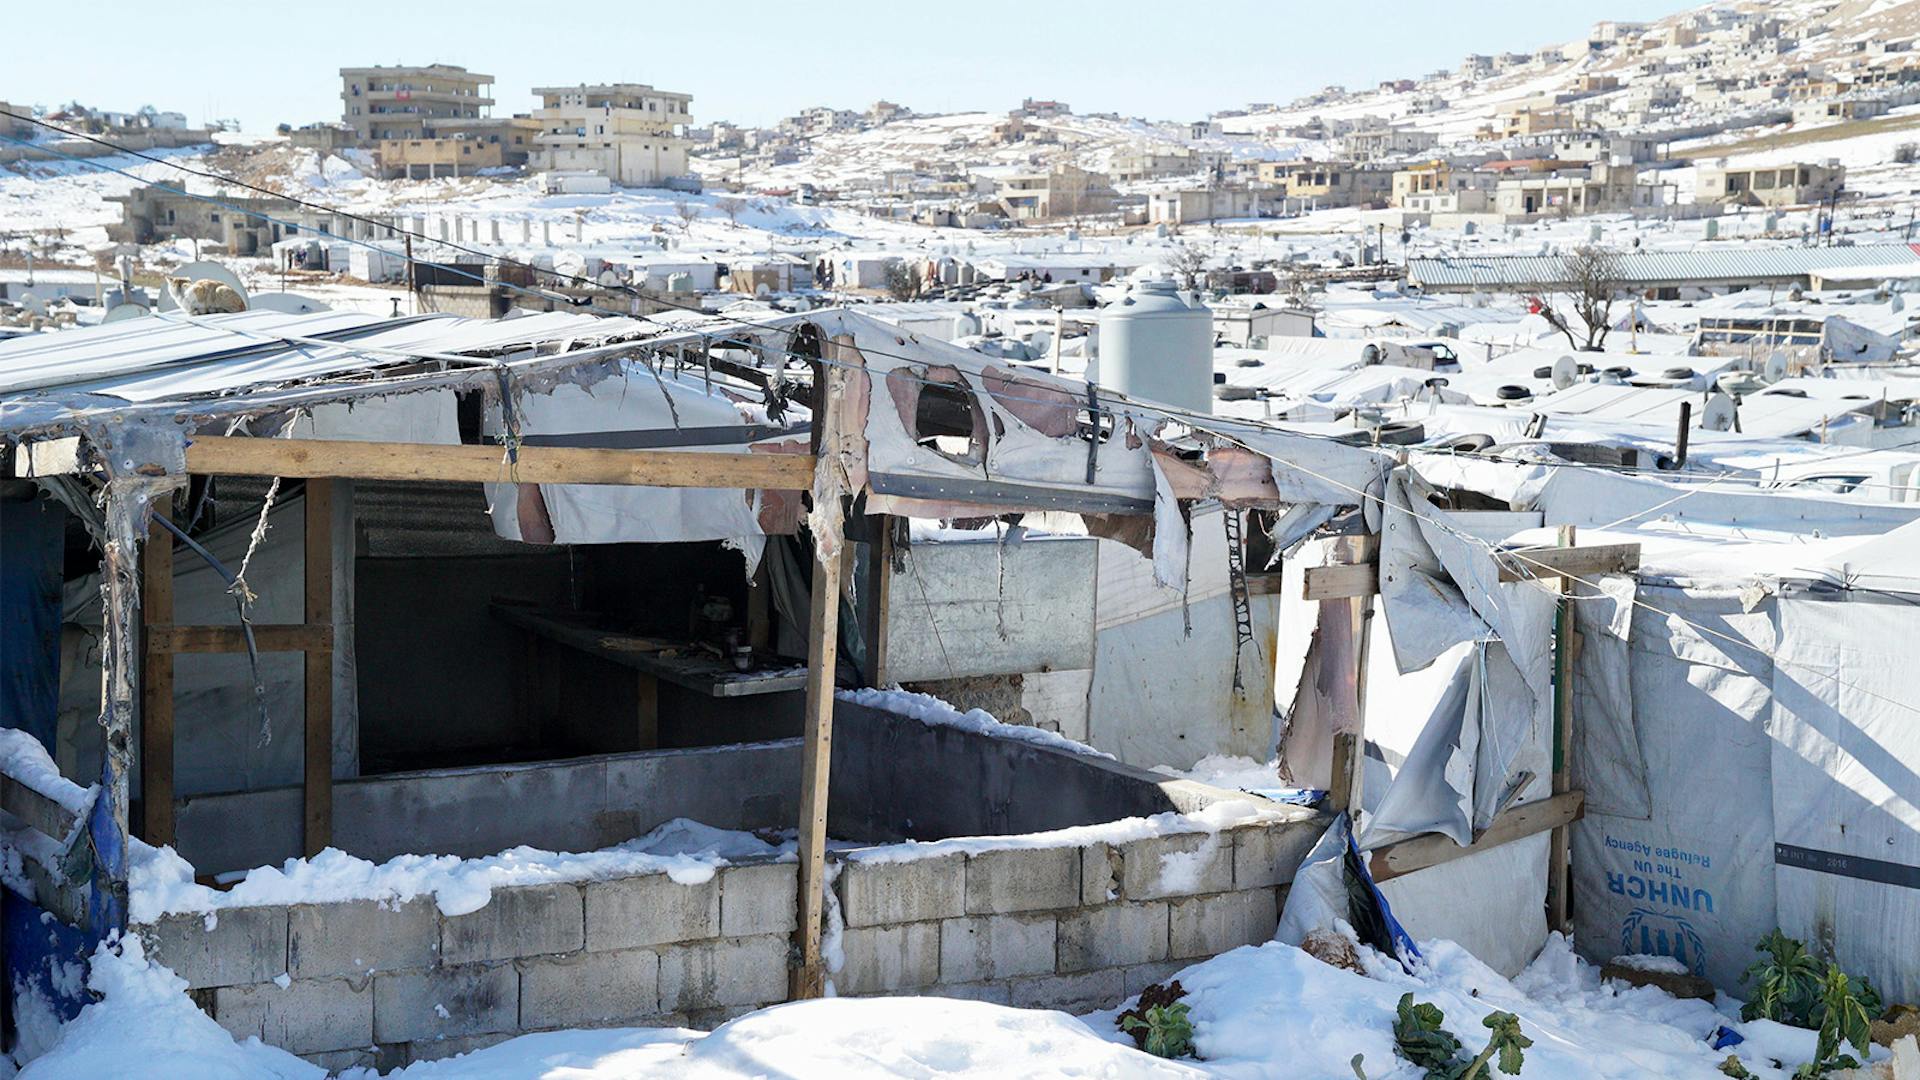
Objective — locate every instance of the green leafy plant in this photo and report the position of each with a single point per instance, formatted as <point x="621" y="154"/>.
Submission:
<point x="1168" y="1031"/>
<point x="1159" y="1022"/>
<point x="1793" y="987"/>
<point x="1420" y="1038"/>
<point x="1734" y="1068"/>
<point x="1786" y="982"/>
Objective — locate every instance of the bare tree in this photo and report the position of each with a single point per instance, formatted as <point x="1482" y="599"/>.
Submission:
<point x="1582" y="300"/>
<point x="901" y="282"/>
<point x="688" y="212"/>
<point x="1188" y="265"/>
<point x="732" y="208"/>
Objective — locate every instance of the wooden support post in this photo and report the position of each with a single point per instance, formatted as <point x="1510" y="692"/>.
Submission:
<point x="646" y="690"/>
<point x="318" y="793"/>
<point x="877" y="591"/>
<point x="156" y="688"/>
<point x="215" y="455"/>
<point x="1350" y="747"/>
<point x="1558" y="909"/>
<point x="808" y="979"/>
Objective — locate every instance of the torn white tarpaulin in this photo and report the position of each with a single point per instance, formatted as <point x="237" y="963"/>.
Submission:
<point x="1172" y="535"/>
<point x="636" y="408"/>
<point x="1422" y="736"/>
<point x="1439" y="586"/>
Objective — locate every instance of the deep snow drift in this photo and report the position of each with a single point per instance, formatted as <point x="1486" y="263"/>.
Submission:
<point x="1264" y="1011"/>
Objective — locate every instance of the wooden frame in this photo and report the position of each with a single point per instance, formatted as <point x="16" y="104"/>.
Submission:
<point x="470" y="463"/>
<point x="163" y="641"/>
<point x="1513" y="823"/>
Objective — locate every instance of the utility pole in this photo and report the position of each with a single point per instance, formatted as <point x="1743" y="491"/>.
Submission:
<point x="413" y="282"/>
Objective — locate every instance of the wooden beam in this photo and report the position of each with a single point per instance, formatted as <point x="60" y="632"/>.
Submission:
<point x="310" y="458"/>
<point x="156" y="688"/>
<point x="1514" y="823"/>
<point x="38" y="810"/>
<point x="1559" y="880"/>
<point x="877" y="591"/>
<point x="317" y="796"/>
<point x="1540" y="563"/>
<point x="1264" y="584"/>
<point x="1342" y="581"/>
<point x="646" y="693"/>
<point x="275" y="638"/>
<point x="823" y="649"/>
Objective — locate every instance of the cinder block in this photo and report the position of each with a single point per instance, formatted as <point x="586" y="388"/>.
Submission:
<point x="999" y="993"/>
<point x="982" y="947"/>
<point x="411" y="1006"/>
<point x="759" y="899"/>
<point x="1078" y="993"/>
<point x="1183" y="864"/>
<point x="447" y="1046"/>
<point x="884" y="893"/>
<point x="1116" y="935"/>
<point x="1208" y="925"/>
<point x="1099" y="874"/>
<point x="306" y="1017"/>
<point x="727" y="971"/>
<point x="1023" y="879"/>
<point x="651" y="909"/>
<point x="1269" y="854"/>
<point x="361" y="936"/>
<point x="522" y="920"/>
<point x="881" y="959"/>
<point x="244" y="945"/>
<point x="586" y="989"/>
<point x="1141" y="976"/>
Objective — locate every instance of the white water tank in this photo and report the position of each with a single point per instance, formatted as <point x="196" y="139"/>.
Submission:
<point x="1156" y="346"/>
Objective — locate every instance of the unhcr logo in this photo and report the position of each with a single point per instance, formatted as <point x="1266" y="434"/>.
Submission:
<point x="1646" y="932"/>
<point x="1636" y="887"/>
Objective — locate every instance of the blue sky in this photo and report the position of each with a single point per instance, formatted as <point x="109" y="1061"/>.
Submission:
<point x="754" y="62"/>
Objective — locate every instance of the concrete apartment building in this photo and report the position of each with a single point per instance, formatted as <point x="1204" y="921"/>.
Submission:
<point x="1204" y="204"/>
<point x="1441" y="187"/>
<point x="629" y="133"/>
<point x="408" y="102"/>
<point x="1325" y="184"/>
<point x="1045" y="194"/>
<point x="459" y="147"/>
<point x="1372" y="144"/>
<point x="1769" y="185"/>
<point x="1598" y="188"/>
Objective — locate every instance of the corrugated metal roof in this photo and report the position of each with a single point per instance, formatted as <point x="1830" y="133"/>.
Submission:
<point x="47" y="379"/>
<point x="1708" y="263"/>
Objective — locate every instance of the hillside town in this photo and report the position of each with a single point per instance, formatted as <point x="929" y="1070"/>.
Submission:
<point x="515" y="580"/>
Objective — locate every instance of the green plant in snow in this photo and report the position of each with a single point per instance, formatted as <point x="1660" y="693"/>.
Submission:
<point x="1734" y="1068"/>
<point x="1169" y="1032"/>
<point x="1786" y="982"/>
<point x="1420" y="1038"/>
<point x="1844" y="1022"/>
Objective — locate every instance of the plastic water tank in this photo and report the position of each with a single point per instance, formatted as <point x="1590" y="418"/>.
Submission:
<point x="1156" y="346"/>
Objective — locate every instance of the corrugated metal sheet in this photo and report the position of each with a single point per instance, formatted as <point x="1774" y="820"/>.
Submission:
<point x="1707" y="264"/>
<point x="156" y="359"/>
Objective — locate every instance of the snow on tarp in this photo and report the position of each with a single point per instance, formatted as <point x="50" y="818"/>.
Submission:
<point x="931" y="710"/>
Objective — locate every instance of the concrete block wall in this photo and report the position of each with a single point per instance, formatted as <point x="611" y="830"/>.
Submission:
<point x="1076" y="927"/>
<point x="1071" y="927"/>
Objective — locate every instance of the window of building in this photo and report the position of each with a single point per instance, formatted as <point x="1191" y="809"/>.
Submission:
<point x="215" y="218"/>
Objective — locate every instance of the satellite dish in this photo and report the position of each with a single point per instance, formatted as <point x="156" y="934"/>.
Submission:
<point x="203" y="271"/>
<point x="1565" y="370"/>
<point x="1776" y="368"/>
<point x="1718" y="414"/>
<point x="291" y="303"/>
<point x="33" y="303"/>
<point x="122" y="312"/>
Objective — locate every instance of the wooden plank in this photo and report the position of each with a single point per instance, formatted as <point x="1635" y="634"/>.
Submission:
<point x="1559" y="881"/>
<point x="239" y="456"/>
<point x="156" y="688"/>
<point x="1514" y="823"/>
<point x="1349" y="747"/>
<point x="37" y="810"/>
<point x="274" y="638"/>
<point x="808" y="979"/>
<point x="1264" y="584"/>
<point x="646" y="693"/>
<point x="1579" y="562"/>
<point x="878" y="592"/>
<point x="317" y="793"/>
<point x="1342" y="581"/>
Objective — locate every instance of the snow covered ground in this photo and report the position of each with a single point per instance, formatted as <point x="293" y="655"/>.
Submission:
<point x="1266" y="1011"/>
